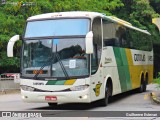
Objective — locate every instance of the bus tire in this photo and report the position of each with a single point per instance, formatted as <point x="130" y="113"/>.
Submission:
<point x="52" y="104"/>
<point x="143" y="85"/>
<point x="104" y="101"/>
<point x="145" y="82"/>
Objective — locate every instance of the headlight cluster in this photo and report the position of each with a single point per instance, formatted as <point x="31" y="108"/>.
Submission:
<point x="79" y="88"/>
<point x="27" y="88"/>
<point x="75" y="88"/>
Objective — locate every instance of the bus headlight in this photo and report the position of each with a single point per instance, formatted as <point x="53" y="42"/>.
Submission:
<point x="79" y="88"/>
<point x="27" y="88"/>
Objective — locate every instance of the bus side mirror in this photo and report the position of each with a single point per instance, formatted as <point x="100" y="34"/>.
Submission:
<point x="89" y="42"/>
<point x="11" y="44"/>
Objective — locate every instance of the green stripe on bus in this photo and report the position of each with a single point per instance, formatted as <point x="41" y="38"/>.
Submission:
<point x="51" y="82"/>
<point x="126" y="68"/>
<point x="120" y="69"/>
<point x="60" y="82"/>
<point x="55" y="82"/>
<point x="123" y="70"/>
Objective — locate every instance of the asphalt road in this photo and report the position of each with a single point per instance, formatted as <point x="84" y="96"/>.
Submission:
<point x="130" y="101"/>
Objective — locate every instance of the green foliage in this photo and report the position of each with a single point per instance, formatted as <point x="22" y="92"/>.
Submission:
<point x="14" y="13"/>
<point x="156" y="5"/>
<point x="157" y="80"/>
<point x="140" y="14"/>
<point x="103" y="6"/>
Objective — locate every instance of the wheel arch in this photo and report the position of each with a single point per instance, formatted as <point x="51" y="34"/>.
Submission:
<point x="109" y="81"/>
<point x="142" y="77"/>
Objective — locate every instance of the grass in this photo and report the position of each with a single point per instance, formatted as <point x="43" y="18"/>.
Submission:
<point x="157" y="80"/>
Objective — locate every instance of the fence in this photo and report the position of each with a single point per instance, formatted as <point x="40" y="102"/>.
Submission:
<point x="7" y="82"/>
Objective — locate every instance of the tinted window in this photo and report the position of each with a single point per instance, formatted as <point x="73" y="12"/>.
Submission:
<point x="120" y="36"/>
<point x="110" y="34"/>
<point x="139" y="40"/>
<point x="60" y="27"/>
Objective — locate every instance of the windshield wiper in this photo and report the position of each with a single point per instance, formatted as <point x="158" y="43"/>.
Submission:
<point x="50" y="61"/>
<point x="45" y="64"/>
<point x="62" y="66"/>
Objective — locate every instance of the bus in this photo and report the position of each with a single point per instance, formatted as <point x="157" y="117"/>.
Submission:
<point x="81" y="57"/>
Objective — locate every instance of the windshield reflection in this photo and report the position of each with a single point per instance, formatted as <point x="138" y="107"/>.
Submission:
<point x="57" y="27"/>
<point x="70" y="57"/>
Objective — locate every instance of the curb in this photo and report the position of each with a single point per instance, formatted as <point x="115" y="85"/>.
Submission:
<point x="155" y="98"/>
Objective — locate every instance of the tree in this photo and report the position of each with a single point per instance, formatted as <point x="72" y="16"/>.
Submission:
<point x="156" y="5"/>
<point x="14" y="13"/>
<point x="140" y="14"/>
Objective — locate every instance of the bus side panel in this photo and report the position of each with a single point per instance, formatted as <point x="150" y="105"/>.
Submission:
<point x="150" y="74"/>
<point x="123" y="68"/>
<point x="125" y="71"/>
<point x="110" y="69"/>
<point x="139" y="63"/>
<point x="131" y="64"/>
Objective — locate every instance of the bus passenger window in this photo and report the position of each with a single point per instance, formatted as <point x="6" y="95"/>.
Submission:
<point x="123" y="41"/>
<point x="111" y="42"/>
<point x="110" y="34"/>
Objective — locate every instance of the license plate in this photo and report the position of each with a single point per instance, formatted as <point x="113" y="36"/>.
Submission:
<point x="51" y="98"/>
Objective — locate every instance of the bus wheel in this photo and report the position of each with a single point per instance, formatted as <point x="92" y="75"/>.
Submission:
<point x="52" y="104"/>
<point x="104" y="101"/>
<point x="143" y="86"/>
<point x="145" y="83"/>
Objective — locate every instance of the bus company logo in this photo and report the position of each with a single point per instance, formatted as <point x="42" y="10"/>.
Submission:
<point x="97" y="89"/>
<point x="139" y="57"/>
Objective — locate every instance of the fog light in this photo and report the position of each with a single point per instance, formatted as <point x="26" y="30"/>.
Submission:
<point x="84" y="97"/>
<point x="24" y="97"/>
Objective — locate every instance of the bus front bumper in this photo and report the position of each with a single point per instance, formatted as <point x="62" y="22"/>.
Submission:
<point x="58" y="97"/>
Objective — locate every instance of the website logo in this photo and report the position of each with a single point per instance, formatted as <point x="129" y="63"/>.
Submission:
<point x="6" y="114"/>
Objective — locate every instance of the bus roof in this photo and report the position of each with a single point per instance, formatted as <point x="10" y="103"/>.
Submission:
<point x="71" y="14"/>
<point x="125" y="23"/>
<point x="91" y="15"/>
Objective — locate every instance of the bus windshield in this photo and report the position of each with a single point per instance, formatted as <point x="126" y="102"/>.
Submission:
<point x="53" y="54"/>
<point x="57" y="27"/>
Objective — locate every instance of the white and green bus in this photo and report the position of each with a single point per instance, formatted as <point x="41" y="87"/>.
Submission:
<point x="81" y="57"/>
